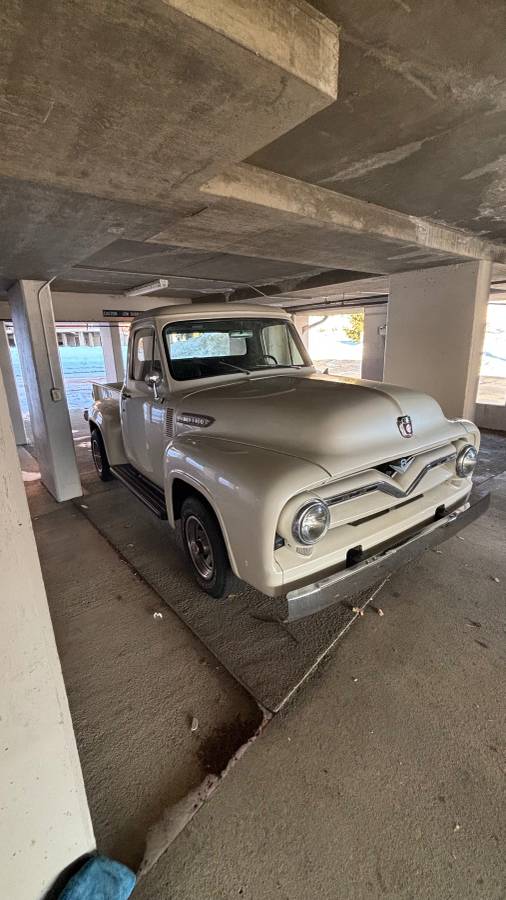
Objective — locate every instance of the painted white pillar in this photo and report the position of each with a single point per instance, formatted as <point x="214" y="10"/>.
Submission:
<point x="45" y="823"/>
<point x="373" y="349"/>
<point x="32" y="315"/>
<point x="436" y="328"/>
<point x="110" y="337"/>
<point x="18" y="426"/>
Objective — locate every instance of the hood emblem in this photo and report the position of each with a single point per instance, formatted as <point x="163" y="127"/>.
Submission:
<point x="402" y="465"/>
<point x="405" y="426"/>
<point x="195" y="419"/>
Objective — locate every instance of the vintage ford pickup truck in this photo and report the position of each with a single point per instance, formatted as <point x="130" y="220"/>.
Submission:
<point x="307" y="486"/>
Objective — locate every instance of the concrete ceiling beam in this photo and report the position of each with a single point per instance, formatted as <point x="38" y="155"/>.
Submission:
<point x="294" y="36"/>
<point x="344" y="288"/>
<point x="126" y="280"/>
<point x="114" y="116"/>
<point x="246" y="190"/>
<point x="147" y="107"/>
<point x="304" y="286"/>
<point x="69" y="306"/>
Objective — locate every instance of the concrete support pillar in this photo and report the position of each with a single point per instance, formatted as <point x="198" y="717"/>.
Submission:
<point x="436" y="327"/>
<point x="32" y="314"/>
<point x="80" y="339"/>
<point x="45" y="823"/>
<point x="373" y="351"/>
<point x="18" y="426"/>
<point x="110" y="336"/>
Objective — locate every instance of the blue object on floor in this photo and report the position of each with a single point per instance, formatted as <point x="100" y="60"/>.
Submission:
<point x="100" y="879"/>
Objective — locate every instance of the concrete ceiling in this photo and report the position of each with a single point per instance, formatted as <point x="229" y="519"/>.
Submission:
<point x="420" y="122"/>
<point x="242" y="149"/>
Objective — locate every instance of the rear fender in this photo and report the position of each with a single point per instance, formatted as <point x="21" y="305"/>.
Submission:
<point x="105" y="415"/>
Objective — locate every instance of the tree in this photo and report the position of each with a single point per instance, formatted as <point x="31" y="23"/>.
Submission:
<point x="355" y="329"/>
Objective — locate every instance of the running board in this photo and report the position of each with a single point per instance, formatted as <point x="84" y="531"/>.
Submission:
<point x="150" y="494"/>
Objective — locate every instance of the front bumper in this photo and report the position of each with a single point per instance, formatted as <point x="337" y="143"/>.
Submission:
<point x="347" y="583"/>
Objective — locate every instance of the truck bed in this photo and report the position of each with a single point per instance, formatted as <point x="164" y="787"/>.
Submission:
<point x="109" y="391"/>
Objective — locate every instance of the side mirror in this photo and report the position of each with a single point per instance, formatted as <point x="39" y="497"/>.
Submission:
<point x="154" y="380"/>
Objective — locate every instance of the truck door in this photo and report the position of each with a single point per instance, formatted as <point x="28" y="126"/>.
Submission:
<point x="136" y="399"/>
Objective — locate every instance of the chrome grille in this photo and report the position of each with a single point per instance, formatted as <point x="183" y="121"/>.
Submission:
<point x="388" y="487"/>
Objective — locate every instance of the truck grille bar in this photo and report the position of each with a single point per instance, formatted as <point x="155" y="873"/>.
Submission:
<point x="388" y="487"/>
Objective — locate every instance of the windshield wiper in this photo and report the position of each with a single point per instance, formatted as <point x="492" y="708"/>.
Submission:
<point x="222" y="362"/>
<point x="283" y="366"/>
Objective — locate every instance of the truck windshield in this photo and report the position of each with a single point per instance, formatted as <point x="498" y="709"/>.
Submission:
<point x="202" y="348"/>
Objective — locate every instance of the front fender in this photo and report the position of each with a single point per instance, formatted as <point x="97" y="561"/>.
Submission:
<point x="105" y="415"/>
<point x="247" y="487"/>
<point x="471" y="431"/>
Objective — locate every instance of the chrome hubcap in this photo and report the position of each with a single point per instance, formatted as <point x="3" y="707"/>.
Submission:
<point x="199" y="546"/>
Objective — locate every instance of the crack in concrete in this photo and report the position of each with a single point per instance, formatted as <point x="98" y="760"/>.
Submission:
<point x="496" y="166"/>
<point x="493" y="201"/>
<point x="435" y="83"/>
<point x="423" y="80"/>
<point x="377" y="161"/>
<point x="176" y="817"/>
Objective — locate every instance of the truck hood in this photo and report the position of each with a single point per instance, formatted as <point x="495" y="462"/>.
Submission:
<point x="341" y="424"/>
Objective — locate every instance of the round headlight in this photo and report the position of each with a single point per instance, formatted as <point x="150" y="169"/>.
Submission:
<point x="466" y="461"/>
<point x="311" y="522"/>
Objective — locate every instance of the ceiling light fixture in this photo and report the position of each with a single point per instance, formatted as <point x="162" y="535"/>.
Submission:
<point x="159" y="285"/>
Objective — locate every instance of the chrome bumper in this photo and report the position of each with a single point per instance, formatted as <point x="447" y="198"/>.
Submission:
<point x="349" y="582"/>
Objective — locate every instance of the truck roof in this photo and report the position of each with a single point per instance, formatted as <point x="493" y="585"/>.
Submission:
<point x="211" y="310"/>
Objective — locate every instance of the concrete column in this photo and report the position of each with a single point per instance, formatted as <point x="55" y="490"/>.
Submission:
<point x="110" y="336"/>
<point x="373" y="351"/>
<point x="436" y="328"/>
<point x="45" y="824"/>
<point x="32" y="314"/>
<point x="18" y="426"/>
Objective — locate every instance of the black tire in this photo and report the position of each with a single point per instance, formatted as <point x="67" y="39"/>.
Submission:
<point x="211" y="569"/>
<point x="100" y="456"/>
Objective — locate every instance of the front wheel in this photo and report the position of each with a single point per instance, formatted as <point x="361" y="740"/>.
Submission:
<point x="100" y="456"/>
<point x="205" y="548"/>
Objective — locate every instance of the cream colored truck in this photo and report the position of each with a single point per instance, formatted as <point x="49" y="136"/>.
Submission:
<point x="309" y="487"/>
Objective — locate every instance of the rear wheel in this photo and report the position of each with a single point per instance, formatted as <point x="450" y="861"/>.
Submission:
<point x="100" y="456"/>
<point x="205" y="548"/>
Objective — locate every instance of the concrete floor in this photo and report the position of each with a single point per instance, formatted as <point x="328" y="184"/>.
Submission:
<point x="388" y="785"/>
<point x="269" y="658"/>
<point x="386" y="776"/>
<point x="135" y="678"/>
